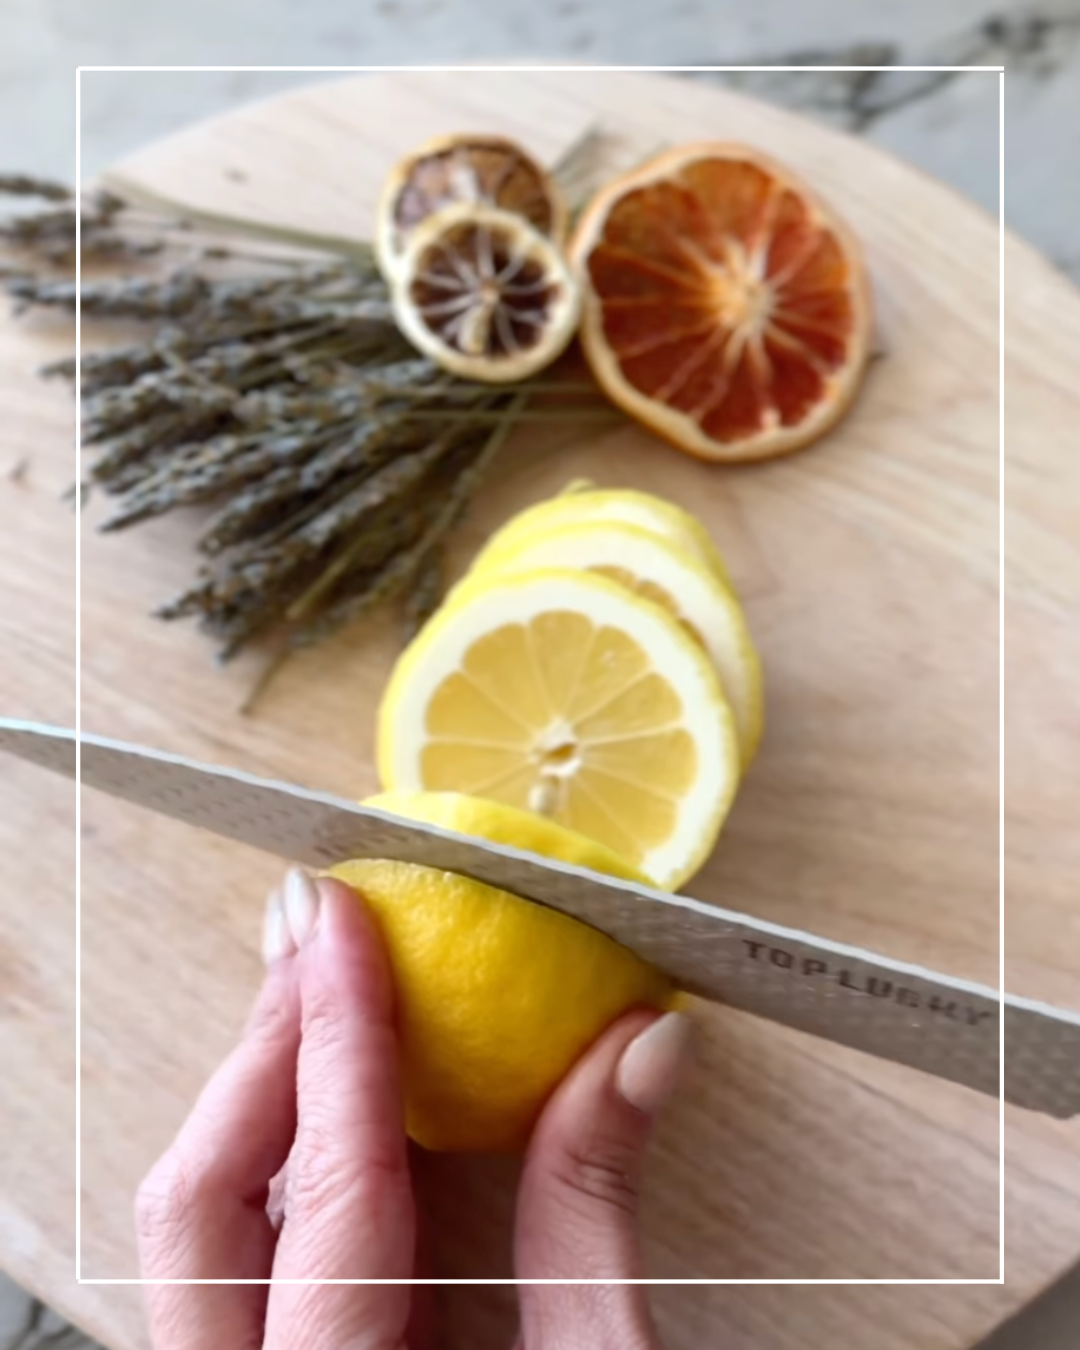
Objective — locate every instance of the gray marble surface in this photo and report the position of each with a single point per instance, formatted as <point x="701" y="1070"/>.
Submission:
<point x="947" y="123"/>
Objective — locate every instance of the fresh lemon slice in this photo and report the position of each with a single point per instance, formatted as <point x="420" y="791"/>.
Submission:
<point x="484" y="294"/>
<point x="496" y="997"/>
<point x="584" y="504"/>
<point x="501" y="824"/>
<point x="564" y="693"/>
<point x="659" y="571"/>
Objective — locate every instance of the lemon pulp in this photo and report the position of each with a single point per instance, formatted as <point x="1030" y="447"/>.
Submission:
<point x="661" y="571"/>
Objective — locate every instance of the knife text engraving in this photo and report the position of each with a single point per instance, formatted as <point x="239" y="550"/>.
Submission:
<point x="871" y="985"/>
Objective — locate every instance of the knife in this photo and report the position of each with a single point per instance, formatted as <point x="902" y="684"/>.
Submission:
<point x="944" y="1026"/>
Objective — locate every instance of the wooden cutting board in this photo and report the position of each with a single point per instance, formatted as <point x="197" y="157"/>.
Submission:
<point x="869" y="567"/>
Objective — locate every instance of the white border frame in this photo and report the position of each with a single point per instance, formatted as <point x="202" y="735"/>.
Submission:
<point x="524" y="69"/>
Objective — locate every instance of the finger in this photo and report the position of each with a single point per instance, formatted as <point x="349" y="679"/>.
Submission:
<point x="200" y="1212"/>
<point x="349" y="1211"/>
<point x="577" y="1206"/>
<point x="422" y="1330"/>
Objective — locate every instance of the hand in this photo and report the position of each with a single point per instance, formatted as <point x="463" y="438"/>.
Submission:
<point x="304" y="1117"/>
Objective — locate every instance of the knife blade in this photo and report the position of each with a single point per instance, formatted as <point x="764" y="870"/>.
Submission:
<point x="892" y="1009"/>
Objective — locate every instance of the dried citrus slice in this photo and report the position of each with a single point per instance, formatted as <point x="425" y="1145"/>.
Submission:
<point x="474" y="169"/>
<point x="565" y="694"/>
<point x="726" y="306"/>
<point x="580" y="503"/>
<point x="658" y="570"/>
<point x="485" y="295"/>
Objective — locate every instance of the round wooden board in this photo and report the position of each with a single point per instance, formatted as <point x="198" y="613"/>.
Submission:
<point x="869" y="567"/>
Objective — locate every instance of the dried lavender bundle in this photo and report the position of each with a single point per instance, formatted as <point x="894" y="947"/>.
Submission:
<point x="23" y="185"/>
<point x="336" y="460"/>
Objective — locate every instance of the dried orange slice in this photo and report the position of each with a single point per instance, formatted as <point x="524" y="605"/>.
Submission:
<point x="725" y="306"/>
<point x="474" y="169"/>
<point x="485" y="295"/>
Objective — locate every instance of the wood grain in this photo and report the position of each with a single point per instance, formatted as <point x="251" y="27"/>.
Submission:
<point x="869" y="567"/>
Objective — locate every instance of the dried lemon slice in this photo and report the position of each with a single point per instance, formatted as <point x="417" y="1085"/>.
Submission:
<point x="485" y="295"/>
<point x="473" y="169"/>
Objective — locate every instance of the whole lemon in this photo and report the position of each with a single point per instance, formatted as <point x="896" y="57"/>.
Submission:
<point x="497" y="996"/>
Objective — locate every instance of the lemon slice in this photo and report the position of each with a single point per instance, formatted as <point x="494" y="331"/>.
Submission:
<point x="581" y="504"/>
<point x="472" y="167"/>
<point x="564" y="693"/>
<point x="484" y="294"/>
<point x="501" y="824"/>
<point x="659" y="571"/>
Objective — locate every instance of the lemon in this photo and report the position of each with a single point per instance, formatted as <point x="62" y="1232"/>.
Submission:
<point x="580" y="503"/>
<point x="674" y="578"/>
<point x="480" y="169"/>
<point x="484" y="294"/>
<point x="564" y="693"/>
<point x="497" y="997"/>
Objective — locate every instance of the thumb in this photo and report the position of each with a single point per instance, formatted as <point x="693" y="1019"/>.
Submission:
<point x="578" y="1202"/>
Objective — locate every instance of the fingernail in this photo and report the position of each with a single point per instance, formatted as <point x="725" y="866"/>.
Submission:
<point x="649" y="1068"/>
<point x="301" y="904"/>
<point x="277" y="940"/>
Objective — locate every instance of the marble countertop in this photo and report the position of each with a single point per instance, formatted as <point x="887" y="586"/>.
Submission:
<point x="946" y="122"/>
